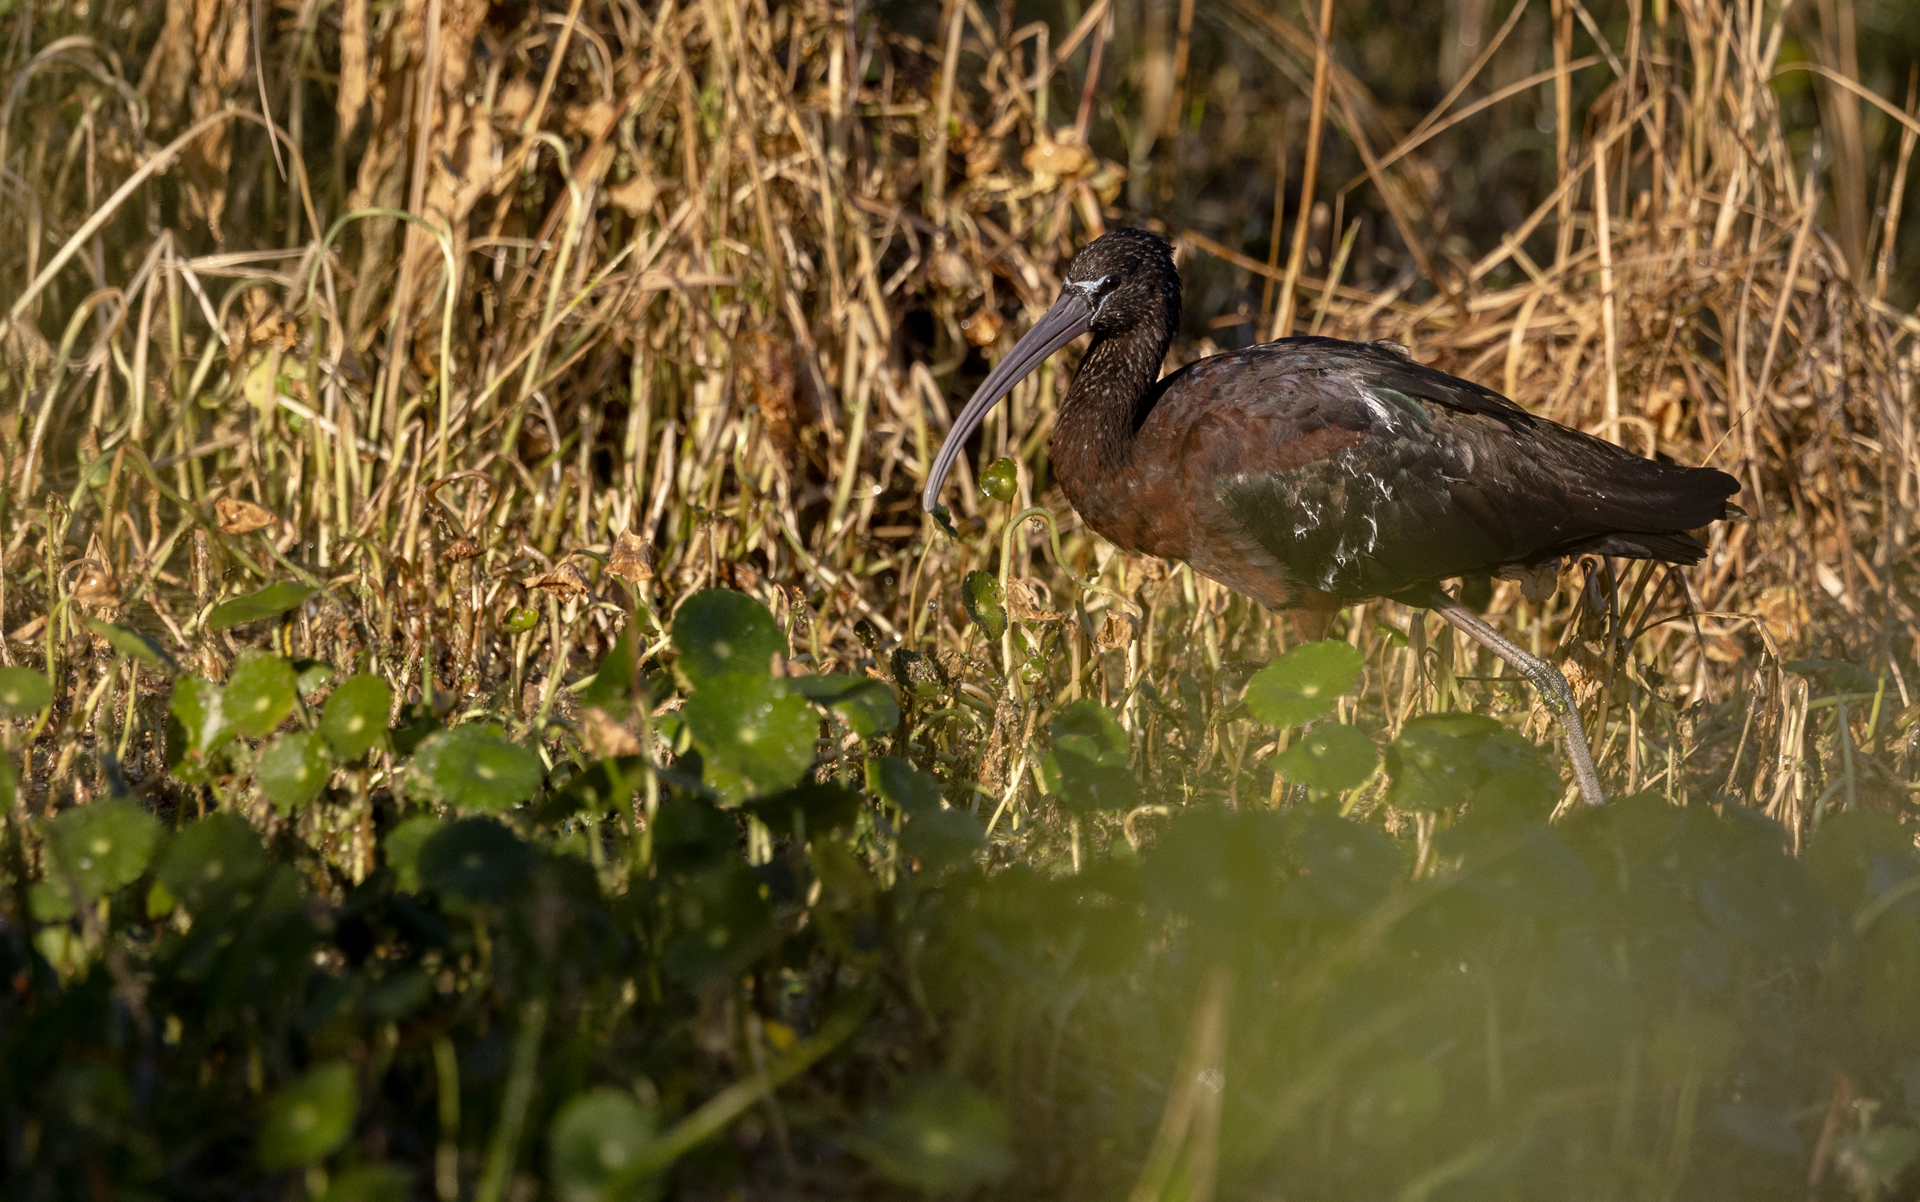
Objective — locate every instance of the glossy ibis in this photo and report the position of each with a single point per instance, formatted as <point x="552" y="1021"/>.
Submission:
<point x="1310" y="473"/>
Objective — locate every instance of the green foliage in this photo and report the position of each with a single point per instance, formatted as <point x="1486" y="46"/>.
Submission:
<point x="723" y="633"/>
<point x="1367" y="974"/>
<point x="199" y="714"/>
<point x="355" y="715"/>
<point x="902" y="785"/>
<point x="1303" y="684"/>
<point x="311" y="675"/>
<point x="613" y="683"/>
<point x="474" y="861"/>
<point x="628" y="957"/>
<point x="868" y="705"/>
<point x="985" y="602"/>
<point x="1000" y="480"/>
<point x="293" y="770"/>
<point x="1837" y="676"/>
<point x="520" y="619"/>
<point x="370" y="1183"/>
<point x="940" y="1134"/>
<point x="932" y="834"/>
<point x="1331" y="757"/>
<point x="402" y="850"/>
<point x="94" y="850"/>
<point x="23" y="693"/>
<point x="474" y="768"/>
<point x="1445" y="760"/>
<point x="260" y="693"/>
<point x="594" y="1137"/>
<point x="308" y="1118"/>
<point x="755" y="736"/>
<point x="1874" y="1160"/>
<point x="814" y="807"/>
<point x="130" y="642"/>
<point x="269" y="602"/>
<point x="211" y="861"/>
<point x="1088" y="767"/>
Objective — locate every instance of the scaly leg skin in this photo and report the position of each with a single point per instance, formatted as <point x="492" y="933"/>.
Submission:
<point x="1542" y="675"/>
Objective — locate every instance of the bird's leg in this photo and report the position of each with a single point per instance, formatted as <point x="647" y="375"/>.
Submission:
<point x="1541" y="674"/>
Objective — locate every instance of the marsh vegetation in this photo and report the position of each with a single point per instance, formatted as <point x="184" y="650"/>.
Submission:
<point x="484" y="715"/>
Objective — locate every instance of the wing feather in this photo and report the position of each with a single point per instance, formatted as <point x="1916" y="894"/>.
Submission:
<point x="1361" y="472"/>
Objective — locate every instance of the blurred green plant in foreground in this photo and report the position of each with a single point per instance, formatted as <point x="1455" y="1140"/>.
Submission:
<point x="784" y="961"/>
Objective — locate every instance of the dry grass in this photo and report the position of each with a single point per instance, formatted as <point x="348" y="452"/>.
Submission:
<point x="712" y="275"/>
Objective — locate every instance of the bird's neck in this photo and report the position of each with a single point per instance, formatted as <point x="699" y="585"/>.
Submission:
<point x="1111" y="395"/>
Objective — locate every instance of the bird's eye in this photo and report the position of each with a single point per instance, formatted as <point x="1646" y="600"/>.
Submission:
<point x="1094" y="290"/>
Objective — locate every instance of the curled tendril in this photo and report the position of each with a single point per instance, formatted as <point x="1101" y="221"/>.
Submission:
<point x="1059" y="558"/>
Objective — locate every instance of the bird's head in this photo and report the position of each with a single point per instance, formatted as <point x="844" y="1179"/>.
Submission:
<point x="1122" y="282"/>
<point x="1126" y="279"/>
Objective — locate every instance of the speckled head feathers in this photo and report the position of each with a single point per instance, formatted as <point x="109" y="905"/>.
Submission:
<point x="1128" y="278"/>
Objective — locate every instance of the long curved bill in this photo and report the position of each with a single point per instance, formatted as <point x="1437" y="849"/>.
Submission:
<point x="1067" y="320"/>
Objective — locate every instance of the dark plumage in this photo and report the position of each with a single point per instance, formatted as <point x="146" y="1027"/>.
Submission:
<point x="1312" y="472"/>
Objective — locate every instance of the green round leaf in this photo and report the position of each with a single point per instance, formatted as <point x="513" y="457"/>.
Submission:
<point x="309" y="1118"/>
<point x="130" y="642"/>
<point x="1089" y="730"/>
<point x="1001" y="480"/>
<point x="606" y="785"/>
<point x="596" y="1135"/>
<point x="868" y="705"/>
<point x="722" y="922"/>
<point x="690" y="833"/>
<point x="200" y="709"/>
<point x="1333" y="757"/>
<point x="520" y="619"/>
<point x="1444" y="760"/>
<point x="723" y="633"/>
<point x="820" y="806"/>
<point x="269" y="602"/>
<point x="985" y="602"/>
<point x="23" y="693"/>
<point x="402" y="850"/>
<point x="1304" y="683"/>
<point x="415" y="726"/>
<point x="940" y="1134"/>
<point x="49" y="902"/>
<point x="355" y="715"/>
<point x="475" y="860"/>
<point x="311" y="675"/>
<point x="903" y="786"/>
<point x="259" y="695"/>
<point x="754" y="737"/>
<point x="211" y="858"/>
<point x="1089" y="760"/>
<point x="474" y="768"/>
<point x="1435" y="763"/>
<point x="102" y="846"/>
<point x="940" y="837"/>
<point x="293" y="771"/>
